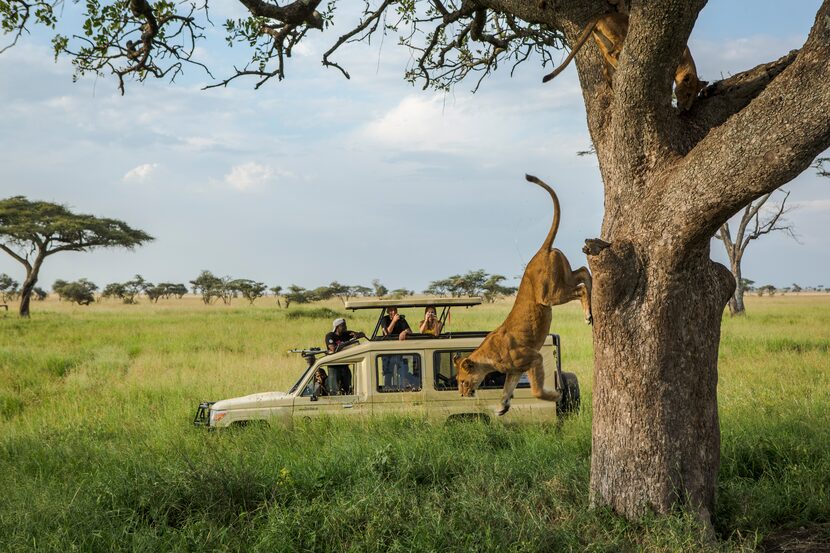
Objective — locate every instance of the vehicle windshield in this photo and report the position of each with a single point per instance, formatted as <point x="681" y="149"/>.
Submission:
<point x="300" y="380"/>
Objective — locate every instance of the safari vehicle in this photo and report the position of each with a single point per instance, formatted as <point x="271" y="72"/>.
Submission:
<point x="382" y="376"/>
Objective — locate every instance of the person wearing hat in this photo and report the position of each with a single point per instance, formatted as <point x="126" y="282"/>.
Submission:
<point x="339" y="334"/>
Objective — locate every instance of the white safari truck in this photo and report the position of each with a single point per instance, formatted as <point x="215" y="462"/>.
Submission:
<point x="381" y="376"/>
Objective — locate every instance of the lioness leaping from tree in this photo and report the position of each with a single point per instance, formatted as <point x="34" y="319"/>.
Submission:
<point x="513" y="347"/>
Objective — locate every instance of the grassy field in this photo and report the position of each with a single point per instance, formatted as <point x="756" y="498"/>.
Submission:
<point x="97" y="452"/>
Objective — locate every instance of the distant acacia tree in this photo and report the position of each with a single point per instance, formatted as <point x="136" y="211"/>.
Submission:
<point x="128" y="291"/>
<point x="9" y="288"/>
<point x="80" y="291"/>
<point x="751" y="227"/>
<point x="321" y="293"/>
<point x="32" y="231"/>
<point x="165" y="290"/>
<point x="113" y="290"/>
<point x="769" y="289"/>
<point x="277" y="290"/>
<point x="400" y="293"/>
<point x="379" y="289"/>
<point x="440" y="287"/>
<point x="362" y="291"/>
<point x="249" y="289"/>
<point x="473" y="283"/>
<point x="208" y="286"/>
<point x="39" y="293"/>
<point x="342" y="291"/>
<point x="492" y="288"/>
<point x="296" y="294"/>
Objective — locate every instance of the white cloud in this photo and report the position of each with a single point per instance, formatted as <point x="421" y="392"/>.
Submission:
<point x="140" y="173"/>
<point x="252" y="175"/>
<point x="719" y="59"/>
<point x="813" y="205"/>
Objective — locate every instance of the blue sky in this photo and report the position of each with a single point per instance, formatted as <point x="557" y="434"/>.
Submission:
<point x="318" y="178"/>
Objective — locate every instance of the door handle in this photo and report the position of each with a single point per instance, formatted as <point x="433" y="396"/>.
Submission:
<point x="348" y="405"/>
<point x="308" y="408"/>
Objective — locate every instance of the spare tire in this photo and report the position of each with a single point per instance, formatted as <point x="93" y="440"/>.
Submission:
<point x="569" y="402"/>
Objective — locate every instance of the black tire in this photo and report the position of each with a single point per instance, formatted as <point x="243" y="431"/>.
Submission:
<point x="569" y="403"/>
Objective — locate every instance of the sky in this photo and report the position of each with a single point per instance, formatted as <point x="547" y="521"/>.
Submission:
<point x="318" y="178"/>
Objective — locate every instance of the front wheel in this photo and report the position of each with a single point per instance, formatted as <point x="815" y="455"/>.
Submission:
<point x="569" y="402"/>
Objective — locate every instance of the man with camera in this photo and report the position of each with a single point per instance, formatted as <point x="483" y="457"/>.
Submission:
<point x="395" y="325"/>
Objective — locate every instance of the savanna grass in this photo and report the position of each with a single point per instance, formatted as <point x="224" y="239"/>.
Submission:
<point x="97" y="452"/>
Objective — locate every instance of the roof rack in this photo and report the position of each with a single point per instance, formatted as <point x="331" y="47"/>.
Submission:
<point x="413" y="302"/>
<point x="446" y="304"/>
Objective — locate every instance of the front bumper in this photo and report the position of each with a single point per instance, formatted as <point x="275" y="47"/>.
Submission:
<point x="202" y="417"/>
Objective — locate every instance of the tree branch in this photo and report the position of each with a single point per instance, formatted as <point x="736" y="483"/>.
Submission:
<point x="657" y="36"/>
<point x="19" y="258"/>
<point x="136" y="39"/>
<point x="722" y="99"/>
<point x="767" y="144"/>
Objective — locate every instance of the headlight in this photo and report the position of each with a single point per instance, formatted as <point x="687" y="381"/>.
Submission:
<point x="216" y="416"/>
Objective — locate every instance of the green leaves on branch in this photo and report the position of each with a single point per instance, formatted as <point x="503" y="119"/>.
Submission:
<point x="44" y="228"/>
<point x="17" y="15"/>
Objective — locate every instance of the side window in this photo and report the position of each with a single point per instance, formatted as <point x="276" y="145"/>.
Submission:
<point x="399" y="372"/>
<point x="443" y="364"/>
<point x="330" y="380"/>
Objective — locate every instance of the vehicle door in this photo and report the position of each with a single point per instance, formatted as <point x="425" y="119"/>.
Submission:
<point x="334" y="389"/>
<point x="444" y="399"/>
<point x="397" y="380"/>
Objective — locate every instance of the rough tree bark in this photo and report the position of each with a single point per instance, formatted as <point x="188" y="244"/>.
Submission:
<point x="671" y="179"/>
<point x="28" y="287"/>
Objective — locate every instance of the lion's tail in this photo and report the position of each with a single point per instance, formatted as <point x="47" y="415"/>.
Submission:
<point x="580" y="41"/>
<point x="548" y="244"/>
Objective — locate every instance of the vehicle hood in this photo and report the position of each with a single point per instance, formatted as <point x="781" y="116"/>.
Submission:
<point x="254" y="401"/>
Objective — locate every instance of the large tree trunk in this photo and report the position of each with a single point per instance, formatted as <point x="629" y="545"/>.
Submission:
<point x="26" y="294"/>
<point x="672" y="178"/>
<point x="736" y="302"/>
<point x="29" y="285"/>
<point x="656" y="440"/>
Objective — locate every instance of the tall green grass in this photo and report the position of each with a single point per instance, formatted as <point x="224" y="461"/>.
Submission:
<point x="97" y="452"/>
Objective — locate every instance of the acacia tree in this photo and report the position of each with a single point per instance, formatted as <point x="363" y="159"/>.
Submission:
<point x="751" y="227"/>
<point x="671" y="179"/>
<point x="32" y="231"/>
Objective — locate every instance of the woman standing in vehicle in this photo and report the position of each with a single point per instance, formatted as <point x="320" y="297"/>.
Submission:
<point x="430" y="324"/>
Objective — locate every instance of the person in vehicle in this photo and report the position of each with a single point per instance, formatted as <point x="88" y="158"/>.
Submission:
<point x="339" y="335"/>
<point x="394" y="325"/>
<point x="430" y="324"/>
<point x="320" y="378"/>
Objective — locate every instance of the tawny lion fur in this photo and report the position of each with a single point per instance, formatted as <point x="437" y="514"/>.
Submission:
<point x="513" y="348"/>
<point x="609" y="32"/>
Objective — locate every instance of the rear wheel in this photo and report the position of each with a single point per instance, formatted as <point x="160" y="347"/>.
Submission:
<point x="569" y="403"/>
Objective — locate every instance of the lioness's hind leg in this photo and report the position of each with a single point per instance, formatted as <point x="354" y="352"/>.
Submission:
<point x="511" y="380"/>
<point x="537" y="382"/>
